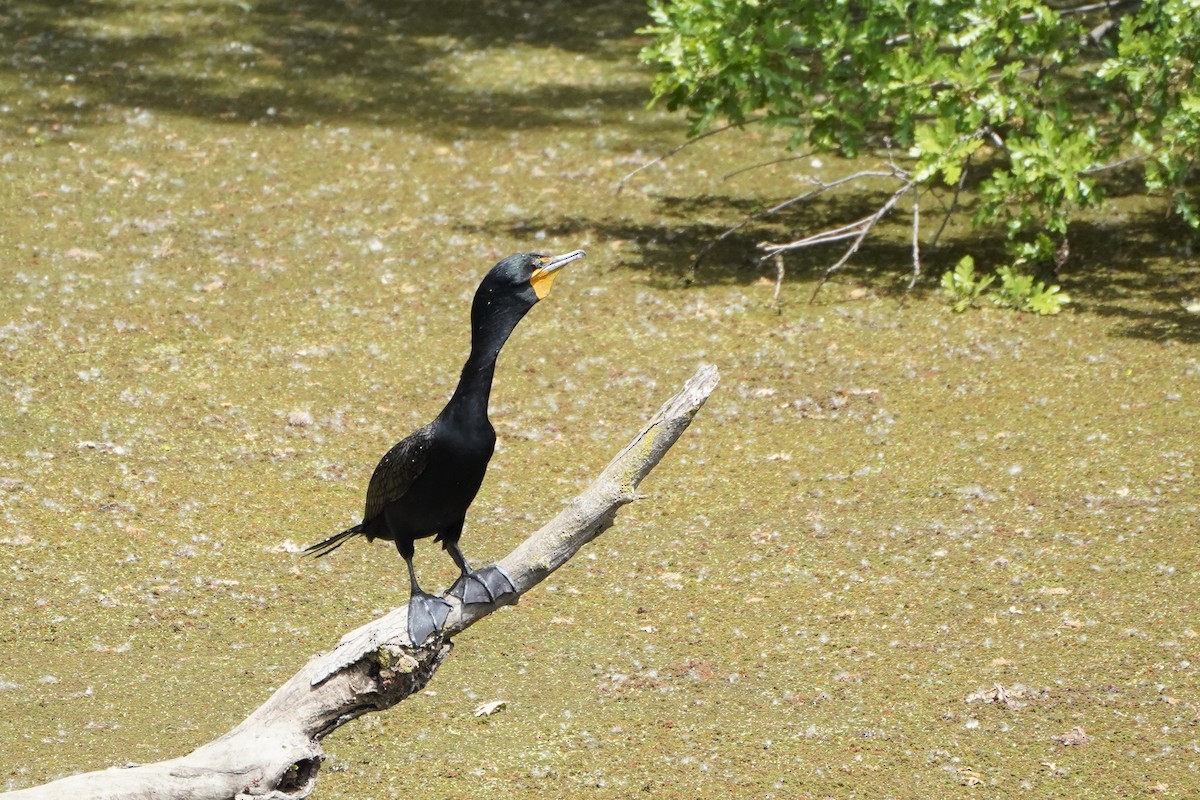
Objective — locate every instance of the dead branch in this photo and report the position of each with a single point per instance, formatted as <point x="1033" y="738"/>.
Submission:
<point x="713" y="132"/>
<point x="958" y="187"/>
<point x="856" y="230"/>
<point x="821" y="186"/>
<point x="778" y="280"/>
<point x="761" y="164"/>
<point x="916" y="241"/>
<point x="867" y="226"/>
<point x="847" y="231"/>
<point x="275" y="753"/>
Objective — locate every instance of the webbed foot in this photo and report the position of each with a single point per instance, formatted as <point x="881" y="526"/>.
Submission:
<point x="426" y="616"/>
<point x="483" y="585"/>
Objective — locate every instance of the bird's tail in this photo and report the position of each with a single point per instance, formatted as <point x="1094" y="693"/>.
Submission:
<point x="333" y="542"/>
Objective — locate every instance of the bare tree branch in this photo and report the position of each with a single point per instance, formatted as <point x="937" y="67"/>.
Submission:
<point x="621" y="183"/>
<point x="867" y="226"/>
<point x="1116" y="164"/>
<point x="856" y="230"/>
<point x="847" y="231"/>
<point x="761" y="164"/>
<point x="778" y="280"/>
<point x="276" y="752"/>
<point x="962" y="179"/>
<point x="821" y="186"/>
<point x="916" y="241"/>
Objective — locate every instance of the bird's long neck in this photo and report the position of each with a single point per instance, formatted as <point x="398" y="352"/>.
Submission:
<point x="490" y="329"/>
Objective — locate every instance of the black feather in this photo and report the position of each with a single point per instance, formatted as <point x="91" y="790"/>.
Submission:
<point x="327" y="546"/>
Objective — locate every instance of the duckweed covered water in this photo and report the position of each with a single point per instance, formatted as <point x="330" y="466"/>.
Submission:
<point x="898" y="553"/>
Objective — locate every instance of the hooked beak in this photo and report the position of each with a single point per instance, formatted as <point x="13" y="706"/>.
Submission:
<point x="545" y="274"/>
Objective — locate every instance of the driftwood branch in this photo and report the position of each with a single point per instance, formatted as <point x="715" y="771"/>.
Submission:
<point x="276" y="752"/>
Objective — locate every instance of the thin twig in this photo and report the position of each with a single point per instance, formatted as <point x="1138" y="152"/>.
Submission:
<point x="866" y="228"/>
<point x="962" y="179"/>
<point x="1115" y="164"/>
<point x="770" y="163"/>
<point x="847" y="231"/>
<point x="916" y="242"/>
<point x="775" y="209"/>
<point x="856" y="230"/>
<point x="778" y="279"/>
<point x="621" y="183"/>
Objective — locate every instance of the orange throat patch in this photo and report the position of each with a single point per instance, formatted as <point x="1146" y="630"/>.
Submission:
<point x="541" y="282"/>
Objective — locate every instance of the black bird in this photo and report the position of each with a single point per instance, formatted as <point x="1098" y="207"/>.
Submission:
<point x="424" y="484"/>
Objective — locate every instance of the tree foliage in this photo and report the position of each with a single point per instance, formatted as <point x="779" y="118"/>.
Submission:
<point x="1031" y="100"/>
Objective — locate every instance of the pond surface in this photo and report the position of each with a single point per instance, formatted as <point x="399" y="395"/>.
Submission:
<point x="239" y="245"/>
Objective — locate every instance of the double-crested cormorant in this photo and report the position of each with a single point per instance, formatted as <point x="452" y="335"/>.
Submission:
<point x="424" y="484"/>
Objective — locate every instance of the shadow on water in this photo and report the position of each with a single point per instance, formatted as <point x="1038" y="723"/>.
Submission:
<point x="683" y="227"/>
<point x="297" y="62"/>
<point x="1140" y="270"/>
<point x="1138" y="267"/>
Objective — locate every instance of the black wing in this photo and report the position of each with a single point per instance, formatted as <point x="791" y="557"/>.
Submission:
<point x="397" y="470"/>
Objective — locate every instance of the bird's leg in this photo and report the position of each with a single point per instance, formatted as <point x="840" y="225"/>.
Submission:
<point x="479" y="586"/>
<point x="426" y="612"/>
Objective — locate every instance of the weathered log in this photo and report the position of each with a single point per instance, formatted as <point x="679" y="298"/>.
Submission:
<point x="276" y="752"/>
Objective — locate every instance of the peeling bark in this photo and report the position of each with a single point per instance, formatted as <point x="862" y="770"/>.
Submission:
<point x="276" y="753"/>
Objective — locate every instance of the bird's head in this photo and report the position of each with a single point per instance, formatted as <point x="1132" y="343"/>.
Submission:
<point x="508" y="291"/>
<point x="526" y="276"/>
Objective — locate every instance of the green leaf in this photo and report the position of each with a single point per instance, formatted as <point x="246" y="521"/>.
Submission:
<point x="1047" y="300"/>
